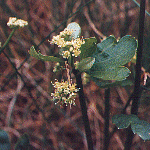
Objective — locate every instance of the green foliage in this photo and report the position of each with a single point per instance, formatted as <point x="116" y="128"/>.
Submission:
<point x="117" y="54"/>
<point x="104" y="60"/>
<point x="85" y="64"/>
<point x="4" y="140"/>
<point x="142" y="128"/>
<point x="39" y="56"/>
<point x="88" y="49"/>
<point x="23" y="143"/>
<point x="111" y="56"/>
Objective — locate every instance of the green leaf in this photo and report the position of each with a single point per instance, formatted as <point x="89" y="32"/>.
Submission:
<point x="111" y="56"/>
<point x="117" y="54"/>
<point x="142" y="128"/>
<point x="88" y="48"/>
<point x="123" y="121"/>
<point x="76" y="29"/>
<point x="39" y="56"/>
<point x="118" y="73"/>
<point x="4" y="140"/>
<point x="23" y="143"/>
<point x="85" y="64"/>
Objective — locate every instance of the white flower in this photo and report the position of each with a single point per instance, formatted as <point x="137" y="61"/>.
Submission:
<point x="14" y="22"/>
<point x="72" y="45"/>
<point x="64" y="92"/>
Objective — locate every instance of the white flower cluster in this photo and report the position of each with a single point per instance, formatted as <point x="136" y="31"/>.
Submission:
<point x="71" y="46"/>
<point x="14" y="22"/>
<point x="64" y="92"/>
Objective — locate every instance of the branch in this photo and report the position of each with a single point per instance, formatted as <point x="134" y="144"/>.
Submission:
<point x="137" y="86"/>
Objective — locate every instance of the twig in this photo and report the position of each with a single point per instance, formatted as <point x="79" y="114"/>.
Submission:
<point x="92" y="25"/>
<point x="139" y="6"/>
<point x="137" y="86"/>
<point x="13" y="101"/>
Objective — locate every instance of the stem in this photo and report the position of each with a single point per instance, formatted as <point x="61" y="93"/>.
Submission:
<point x="137" y="86"/>
<point x="7" y="41"/>
<point x="83" y="109"/>
<point x="106" y="116"/>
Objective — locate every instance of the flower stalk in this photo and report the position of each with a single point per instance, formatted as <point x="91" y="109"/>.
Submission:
<point x="13" y="23"/>
<point x="7" y="41"/>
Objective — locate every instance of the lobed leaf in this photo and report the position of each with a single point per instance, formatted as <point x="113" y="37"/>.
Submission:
<point x="140" y="127"/>
<point x="111" y="56"/>
<point x="118" y="53"/>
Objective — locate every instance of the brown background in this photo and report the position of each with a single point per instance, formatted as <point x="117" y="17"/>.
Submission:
<point x="51" y="127"/>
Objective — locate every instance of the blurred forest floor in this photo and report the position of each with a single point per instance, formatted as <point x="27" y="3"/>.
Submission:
<point x="25" y="101"/>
